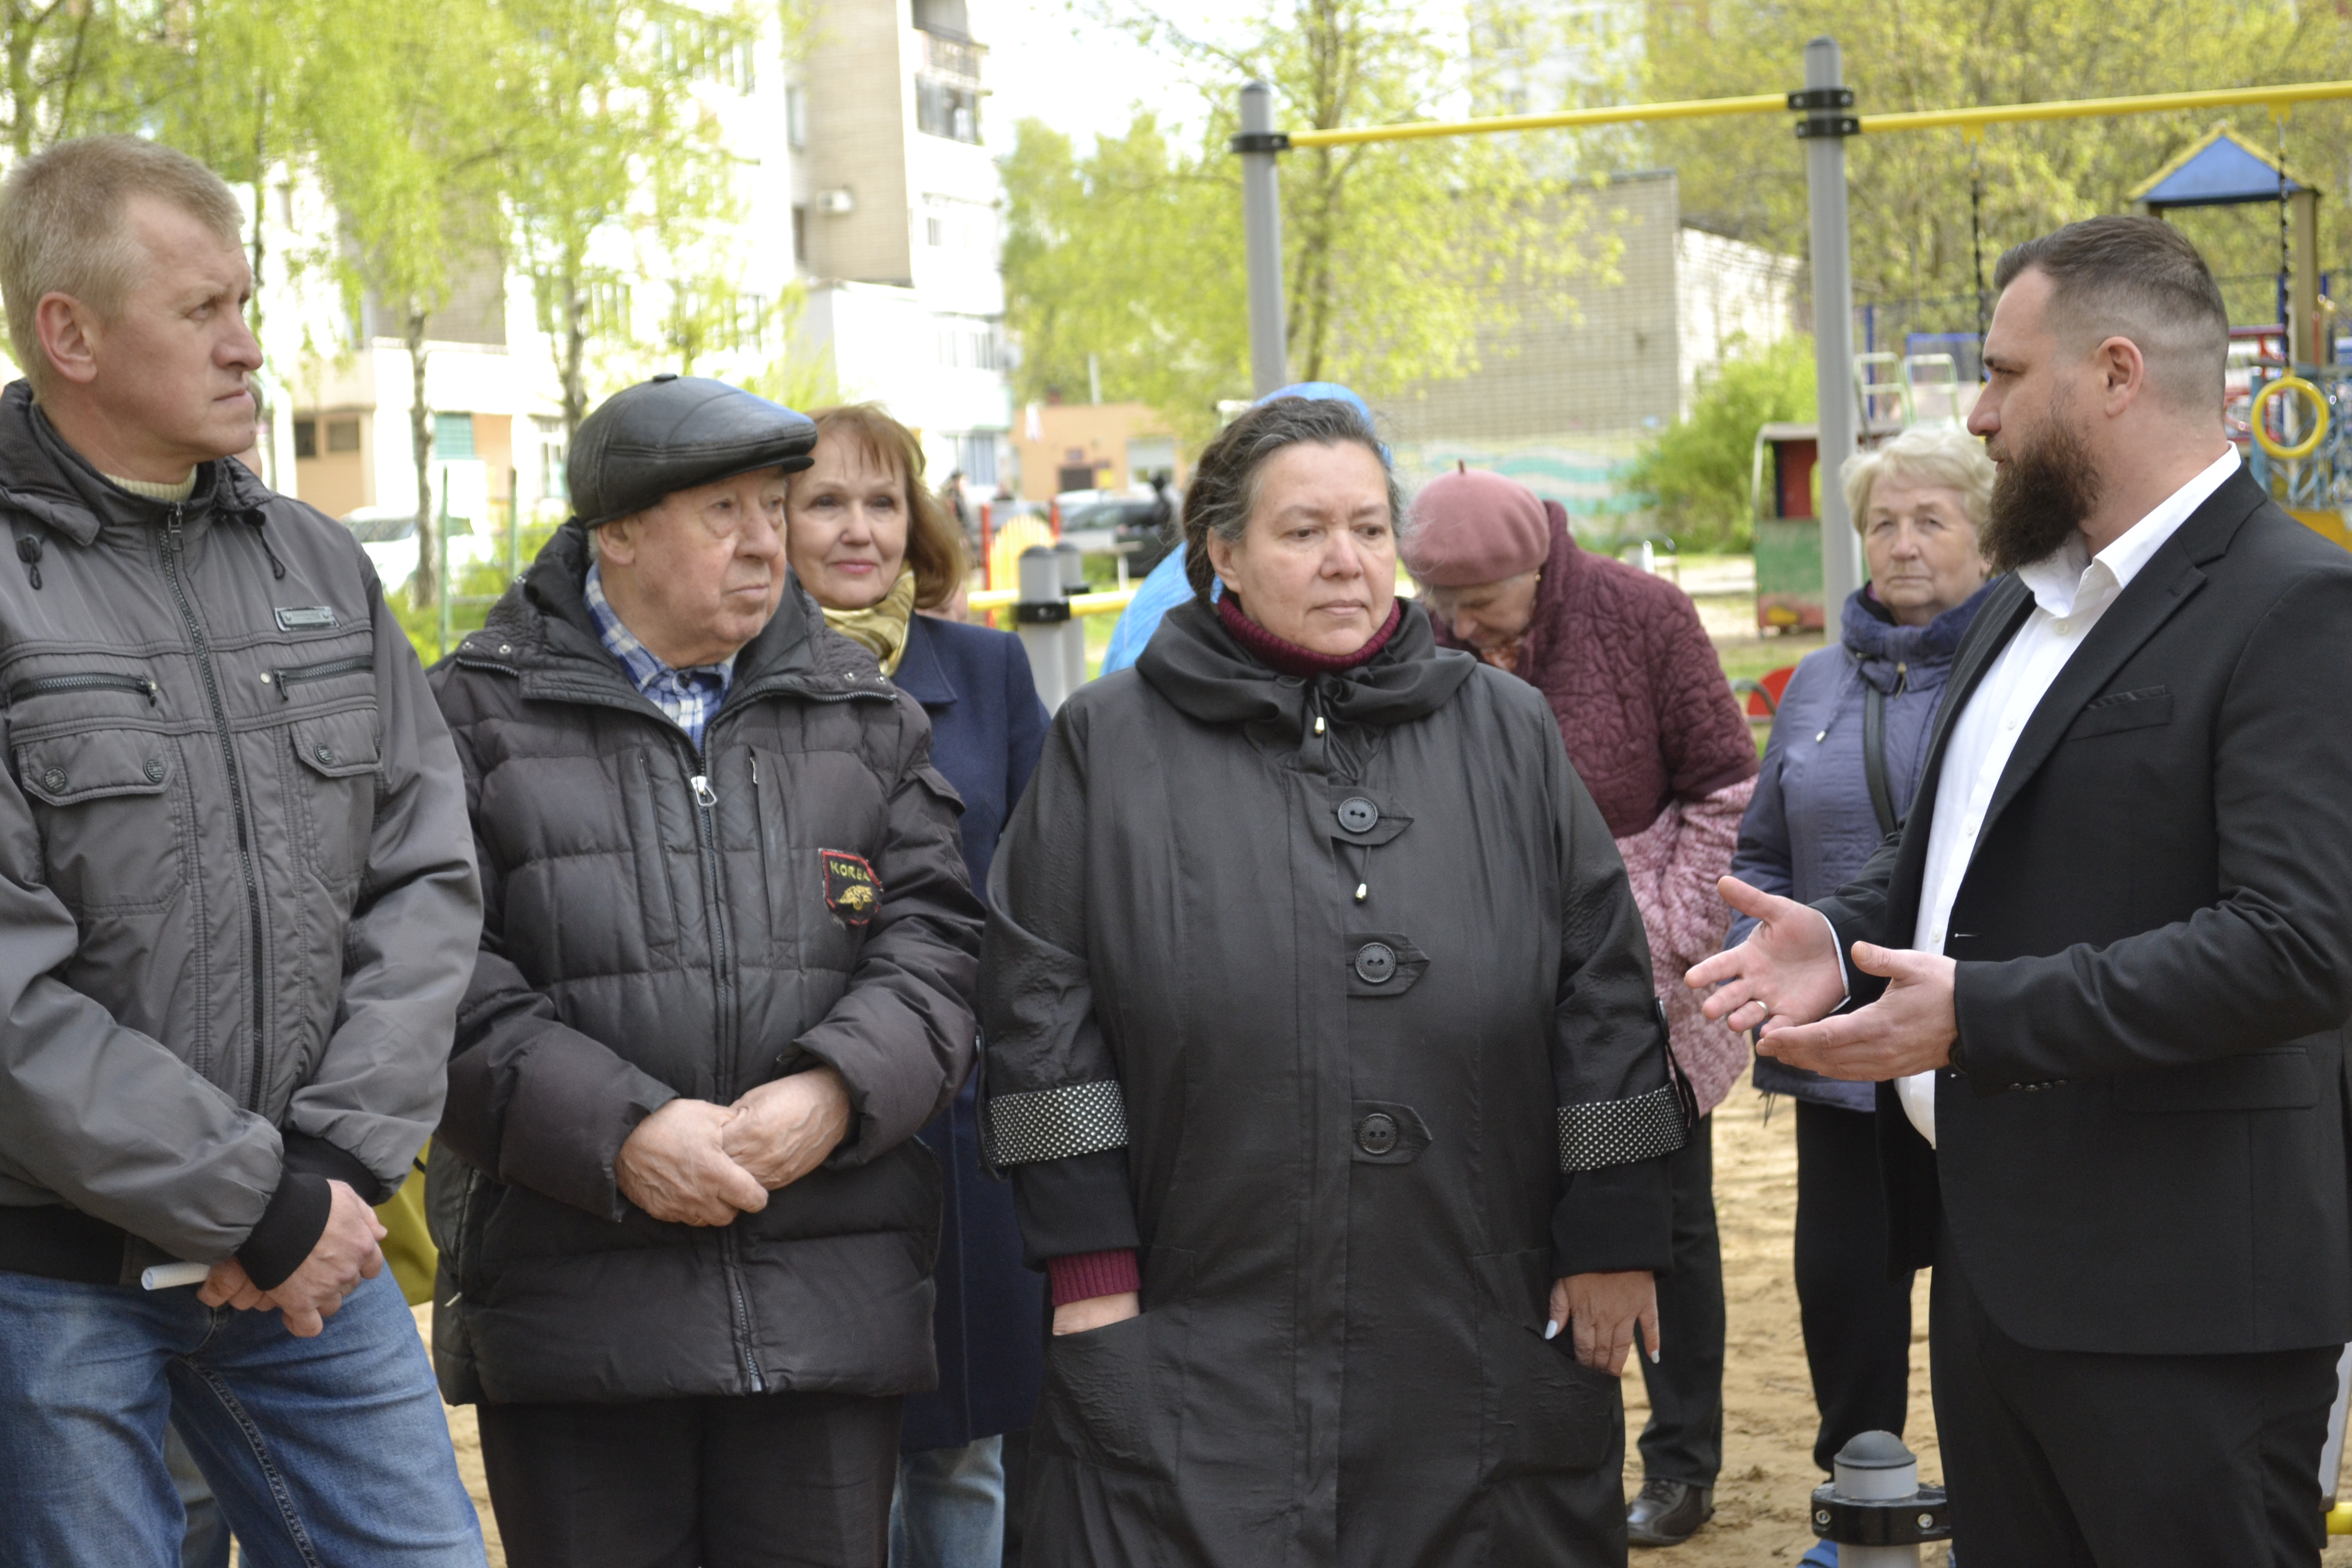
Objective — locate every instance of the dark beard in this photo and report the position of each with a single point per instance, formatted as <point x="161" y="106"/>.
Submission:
<point x="2041" y="494"/>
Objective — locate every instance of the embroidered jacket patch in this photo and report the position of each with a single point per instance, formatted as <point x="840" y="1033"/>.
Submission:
<point x="851" y="889"/>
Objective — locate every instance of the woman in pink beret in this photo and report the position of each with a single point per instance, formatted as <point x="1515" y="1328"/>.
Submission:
<point x="1654" y="733"/>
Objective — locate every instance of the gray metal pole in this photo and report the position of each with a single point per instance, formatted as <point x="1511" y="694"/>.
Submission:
<point x="2331" y="1453"/>
<point x="1873" y="1467"/>
<point x="1074" y="630"/>
<point x="1039" y="617"/>
<point x="1259" y="144"/>
<point x="1825" y="128"/>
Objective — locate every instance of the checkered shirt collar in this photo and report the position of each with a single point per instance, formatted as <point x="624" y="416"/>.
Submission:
<point x="688" y="696"/>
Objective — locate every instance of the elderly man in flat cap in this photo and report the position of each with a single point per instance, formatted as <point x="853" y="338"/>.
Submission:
<point x="1652" y="729"/>
<point x="724" y="977"/>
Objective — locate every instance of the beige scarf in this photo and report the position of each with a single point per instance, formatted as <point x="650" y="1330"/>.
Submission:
<point x="881" y="630"/>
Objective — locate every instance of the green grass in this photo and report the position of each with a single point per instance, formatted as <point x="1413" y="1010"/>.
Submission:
<point x="1750" y="659"/>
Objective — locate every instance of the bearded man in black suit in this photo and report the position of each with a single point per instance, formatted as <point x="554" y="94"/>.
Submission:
<point x="2101" y="972"/>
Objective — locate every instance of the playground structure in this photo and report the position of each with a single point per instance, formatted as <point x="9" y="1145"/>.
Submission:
<point x="2293" y="421"/>
<point x="2311" y="469"/>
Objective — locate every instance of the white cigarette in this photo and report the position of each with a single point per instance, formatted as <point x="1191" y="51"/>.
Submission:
<point x="168" y="1276"/>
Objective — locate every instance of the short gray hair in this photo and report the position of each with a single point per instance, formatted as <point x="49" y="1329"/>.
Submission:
<point x="1224" y="480"/>
<point x="1941" y="455"/>
<point x="62" y="228"/>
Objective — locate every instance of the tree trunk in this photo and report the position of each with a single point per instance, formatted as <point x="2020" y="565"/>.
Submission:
<point x="24" y="105"/>
<point x="575" y="351"/>
<point x="260" y="202"/>
<point x="427" y="585"/>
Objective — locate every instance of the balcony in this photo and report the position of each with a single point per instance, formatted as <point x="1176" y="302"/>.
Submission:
<point x="953" y="56"/>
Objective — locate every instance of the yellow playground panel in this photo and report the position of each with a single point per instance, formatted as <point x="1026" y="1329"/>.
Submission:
<point x="1006" y="544"/>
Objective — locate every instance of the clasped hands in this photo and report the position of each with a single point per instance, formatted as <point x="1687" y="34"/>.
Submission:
<point x="345" y="1254"/>
<point x="693" y="1163"/>
<point x="1784" y="982"/>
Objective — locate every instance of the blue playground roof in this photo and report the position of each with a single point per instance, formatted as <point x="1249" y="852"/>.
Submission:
<point x="2219" y="169"/>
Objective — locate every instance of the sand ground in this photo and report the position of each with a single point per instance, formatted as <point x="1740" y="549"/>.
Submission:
<point x="1768" y="1430"/>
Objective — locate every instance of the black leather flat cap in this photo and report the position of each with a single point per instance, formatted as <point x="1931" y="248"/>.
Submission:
<point x="673" y="433"/>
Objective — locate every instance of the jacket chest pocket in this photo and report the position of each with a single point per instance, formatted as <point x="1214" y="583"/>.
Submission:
<point x="332" y="788"/>
<point x="110" y="814"/>
<point x="2144" y="709"/>
<point x="821" y="827"/>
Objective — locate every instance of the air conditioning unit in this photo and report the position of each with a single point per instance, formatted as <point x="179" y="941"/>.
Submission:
<point x="836" y="203"/>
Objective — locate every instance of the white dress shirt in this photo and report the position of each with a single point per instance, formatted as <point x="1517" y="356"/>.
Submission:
<point x="2071" y="590"/>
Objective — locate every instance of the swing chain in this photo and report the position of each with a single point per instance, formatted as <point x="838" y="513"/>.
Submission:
<point x="1975" y="138"/>
<point x="2286" y="250"/>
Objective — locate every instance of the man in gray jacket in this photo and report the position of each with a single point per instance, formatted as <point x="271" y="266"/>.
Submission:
<point x="238" y="908"/>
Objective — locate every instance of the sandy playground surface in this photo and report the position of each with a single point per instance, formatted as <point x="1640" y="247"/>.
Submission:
<point x="1767" y="1474"/>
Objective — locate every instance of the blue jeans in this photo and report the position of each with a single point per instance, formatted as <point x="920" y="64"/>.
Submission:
<point x="324" y="1452"/>
<point x="950" y="1508"/>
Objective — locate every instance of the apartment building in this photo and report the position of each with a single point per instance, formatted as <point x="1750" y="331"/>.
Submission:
<point x="1567" y="394"/>
<point x="895" y="215"/>
<point x="862" y="259"/>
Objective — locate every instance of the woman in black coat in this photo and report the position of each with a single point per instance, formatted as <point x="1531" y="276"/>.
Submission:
<point x="1322" y="1048"/>
<point x="873" y="547"/>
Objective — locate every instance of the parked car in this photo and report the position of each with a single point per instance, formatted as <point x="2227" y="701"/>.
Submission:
<point x="1139" y="522"/>
<point x="389" y="536"/>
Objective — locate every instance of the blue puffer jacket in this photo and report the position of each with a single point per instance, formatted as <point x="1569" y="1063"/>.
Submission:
<point x="1810" y="826"/>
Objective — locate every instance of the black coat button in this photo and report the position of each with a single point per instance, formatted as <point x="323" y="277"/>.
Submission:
<point x="1358" y="814"/>
<point x="326" y="755"/>
<point x="1376" y="1133"/>
<point x="1376" y="963"/>
<point x="54" y="780"/>
<point x="154" y="770"/>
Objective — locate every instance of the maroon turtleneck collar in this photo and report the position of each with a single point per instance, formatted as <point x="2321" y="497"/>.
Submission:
<point x="1287" y="657"/>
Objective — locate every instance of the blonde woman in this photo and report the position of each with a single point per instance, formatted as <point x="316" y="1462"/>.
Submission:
<point x="1847" y="747"/>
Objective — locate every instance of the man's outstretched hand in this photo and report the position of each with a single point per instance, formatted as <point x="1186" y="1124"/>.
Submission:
<point x="1785" y="973"/>
<point x="1908" y="1029"/>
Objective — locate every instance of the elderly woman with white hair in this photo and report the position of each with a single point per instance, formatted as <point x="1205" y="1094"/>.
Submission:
<point x="1848" y="745"/>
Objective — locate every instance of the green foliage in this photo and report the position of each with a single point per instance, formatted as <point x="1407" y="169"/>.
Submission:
<point x="1130" y="253"/>
<point x="1698" y="469"/>
<point x="609" y="150"/>
<point x="1910" y="190"/>
<point x="481" y="581"/>
<point x="1396" y="257"/>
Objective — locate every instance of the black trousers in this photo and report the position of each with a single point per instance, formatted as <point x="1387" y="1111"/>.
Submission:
<point x="771" y="1480"/>
<point x="1683" y="1441"/>
<point x="1857" y="1322"/>
<point x="2077" y="1459"/>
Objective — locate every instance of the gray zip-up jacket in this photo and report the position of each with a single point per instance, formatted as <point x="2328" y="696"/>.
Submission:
<point x="237" y="896"/>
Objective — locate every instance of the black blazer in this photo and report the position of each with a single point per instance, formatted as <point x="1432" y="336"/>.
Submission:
<point x="2144" y="1148"/>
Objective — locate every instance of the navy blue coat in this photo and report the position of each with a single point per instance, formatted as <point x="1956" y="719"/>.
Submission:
<point x="987" y="727"/>
<point x="1810" y="826"/>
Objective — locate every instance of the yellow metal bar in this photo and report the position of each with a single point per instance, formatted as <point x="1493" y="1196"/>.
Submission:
<point x="1615" y="114"/>
<point x="2279" y="97"/>
<point x="1108" y="604"/>
<point x="2084" y="108"/>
